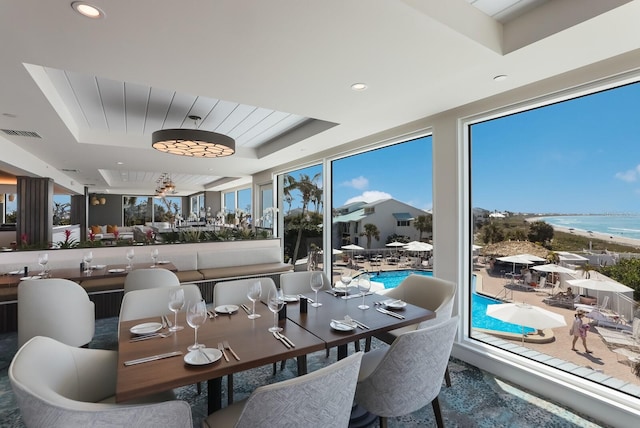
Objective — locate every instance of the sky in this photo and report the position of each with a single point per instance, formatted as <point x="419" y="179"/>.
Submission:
<point x="581" y="156"/>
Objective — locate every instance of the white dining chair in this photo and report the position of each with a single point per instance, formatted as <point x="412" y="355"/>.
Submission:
<point x="405" y="377"/>
<point x="57" y="385"/>
<point x="56" y="308"/>
<point x="154" y="302"/>
<point x="322" y="398"/>
<point x="434" y="294"/>
<point x="295" y="283"/>
<point x="142" y="279"/>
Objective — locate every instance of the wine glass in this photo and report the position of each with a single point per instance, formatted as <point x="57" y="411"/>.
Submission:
<point x="196" y="317"/>
<point x="364" y="285"/>
<point x="154" y="257"/>
<point x="43" y="259"/>
<point x="176" y="303"/>
<point x="316" y="285"/>
<point x="87" y="258"/>
<point x="345" y="278"/>
<point x="130" y="254"/>
<point x="275" y="301"/>
<point x="253" y="293"/>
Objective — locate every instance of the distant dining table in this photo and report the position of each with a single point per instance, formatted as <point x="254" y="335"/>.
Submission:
<point x="251" y="341"/>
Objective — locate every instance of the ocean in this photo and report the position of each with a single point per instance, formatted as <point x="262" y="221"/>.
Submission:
<point x="627" y="225"/>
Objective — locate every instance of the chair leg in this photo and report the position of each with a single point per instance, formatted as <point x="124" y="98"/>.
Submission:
<point x="383" y="422"/>
<point x="199" y="388"/>
<point x="327" y="352"/>
<point x="447" y="378"/>
<point x="356" y="345"/>
<point x="282" y="364"/>
<point x="367" y="344"/>
<point x="436" y="409"/>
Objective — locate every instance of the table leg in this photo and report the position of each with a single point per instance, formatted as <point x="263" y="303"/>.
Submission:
<point x="302" y="365"/>
<point x="214" y="398"/>
<point x="342" y="351"/>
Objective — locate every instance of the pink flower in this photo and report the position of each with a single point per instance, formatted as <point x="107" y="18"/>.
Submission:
<point x="116" y="233"/>
<point x="67" y="234"/>
<point x="92" y="236"/>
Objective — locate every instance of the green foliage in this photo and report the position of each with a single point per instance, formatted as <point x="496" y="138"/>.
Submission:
<point x="627" y="272"/>
<point x="491" y="233"/>
<point x="190" y="235"/>
<point x="424" y="224"/>
<point x="399" y="238"/>
<point x="539" y="231"/>
<point x="370" y="231"/>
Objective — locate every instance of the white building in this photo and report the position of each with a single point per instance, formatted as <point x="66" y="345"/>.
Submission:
<point x="389" y="215"/>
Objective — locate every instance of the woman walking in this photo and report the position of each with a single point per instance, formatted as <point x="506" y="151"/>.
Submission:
<point x="579" y="329"/>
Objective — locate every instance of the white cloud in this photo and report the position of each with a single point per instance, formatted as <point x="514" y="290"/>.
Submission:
<point x="629" y="176"/>
<point x="369" y="196"/>
<point x="357" y="183"/>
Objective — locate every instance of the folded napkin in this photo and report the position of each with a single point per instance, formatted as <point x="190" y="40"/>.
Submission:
<point x="347" y="321"/>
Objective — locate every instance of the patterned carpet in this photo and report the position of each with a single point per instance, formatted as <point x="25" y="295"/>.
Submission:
<point x="476" y="399"/>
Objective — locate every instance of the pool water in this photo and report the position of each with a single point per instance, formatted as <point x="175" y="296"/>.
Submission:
<point x="479" y="317"/>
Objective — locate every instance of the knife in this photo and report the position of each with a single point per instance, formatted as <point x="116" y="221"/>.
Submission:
<point x="361" y="325"/>
<point x="152" y="358"/>
<point x="275" y="334"/>
<point x="145" y="337"/>
<point x="221" y="349"/>
<point x="393" y="314"/>
<point x="246" y="309"/>
<point x="285" y="338"/>
<point x="353" y="296"/>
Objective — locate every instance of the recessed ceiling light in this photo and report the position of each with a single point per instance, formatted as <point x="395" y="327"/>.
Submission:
<point x="85" y="9"/>
<point x="120" y="163"/>
<point x="359" y="86"/>
<point x="500" y="77"/>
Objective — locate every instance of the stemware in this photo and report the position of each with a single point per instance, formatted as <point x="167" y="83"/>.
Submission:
<point x="253" y="293"/>
<point x="154" y="257"/>
<point x="176" y="303"/>
<point x="196" y="317"/>
<point x="345" y="278"/>
<point x="87" y="258"/>
<point x="364" y="285"/>
<point x="275" y="301"/>
<point x="43" y="259"/>
<point x="317" y="282"/>
<point x="130" y="254"/>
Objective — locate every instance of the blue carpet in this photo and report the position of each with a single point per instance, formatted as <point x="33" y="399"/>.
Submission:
<point x="476" y="399"/>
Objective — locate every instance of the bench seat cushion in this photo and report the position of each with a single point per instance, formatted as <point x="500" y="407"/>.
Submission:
<point x="103" y="284"/>
<point x="189" y="276"/>
<point x="246" y="270"/>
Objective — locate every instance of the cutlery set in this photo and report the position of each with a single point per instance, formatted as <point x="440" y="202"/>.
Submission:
<point x="152" y="358"/>
<point x="212" y="314"/>
<point x="393" y="314"/>
<point x="353" y="296"/>
<point x="284" y="339"/>
<point x="246" y="309"/>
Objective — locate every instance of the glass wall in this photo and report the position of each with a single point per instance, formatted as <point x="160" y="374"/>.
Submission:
<point x="556" y="226"/>
<point x="166" y="209"/>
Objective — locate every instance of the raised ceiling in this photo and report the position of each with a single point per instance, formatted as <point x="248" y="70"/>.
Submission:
<point x="85" y="95"/>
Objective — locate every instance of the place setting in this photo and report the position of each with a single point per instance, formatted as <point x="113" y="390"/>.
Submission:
<point x="199" y="354"/>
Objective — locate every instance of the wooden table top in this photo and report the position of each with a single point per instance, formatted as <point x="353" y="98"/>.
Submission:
<point x="250" y="339"/>
<point x="77" y="275"/>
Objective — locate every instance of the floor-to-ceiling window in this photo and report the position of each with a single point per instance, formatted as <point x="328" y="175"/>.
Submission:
<point x="380" y="198"/>
<point x="167" y="208"/>
<point x="558" y="184"/>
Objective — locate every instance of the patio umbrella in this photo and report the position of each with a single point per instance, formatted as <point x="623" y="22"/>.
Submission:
<point x="352" y="247"/>
<point x="526" y="315"/>
<point x="600" y="285"/>
<point x="418" y="246"/>
<point x="396" y="244"/>
<point x="515" y="260"/>
<point x="552" y="267"/>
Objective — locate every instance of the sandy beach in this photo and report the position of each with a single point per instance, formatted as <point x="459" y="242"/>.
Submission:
<point x="595" y="235"/>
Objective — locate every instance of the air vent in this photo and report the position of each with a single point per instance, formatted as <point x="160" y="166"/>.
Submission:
<point x="69" y="170"/>
<point x="15" y="133"/>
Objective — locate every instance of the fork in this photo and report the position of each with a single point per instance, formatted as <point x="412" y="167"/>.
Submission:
<point x="226" y="345"/>
<point x="151" y="336"/>
<point x="221" y="349"/>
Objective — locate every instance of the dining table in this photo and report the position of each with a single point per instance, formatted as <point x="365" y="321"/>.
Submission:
<point x="251" y="341"/>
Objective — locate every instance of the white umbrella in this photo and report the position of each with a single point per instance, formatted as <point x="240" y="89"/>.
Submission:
<point x="531" y="257"/>
<point x="333" y="252"/>
<point x="352" y="247"/>
<point x="418" y="246"/>
<point x="600" y="285"/>
<point x="551" y="267"/>
<point x="518" y="259"/>
<point x="396" y="244"/>
<point x="526" y="315"/>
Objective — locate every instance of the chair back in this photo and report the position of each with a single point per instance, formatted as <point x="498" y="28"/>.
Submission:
<point x="322" y="398"/>
<point x="605" y="302"/>
<point x="57" y="385"/>
<point x="409" y="374"/>
<point x="142" y="279"/>
<point x="154" y="302"/>
<point x="56" y="308"/>
<point x="235" y="292"/>
<point x="428" y="292"/>
<point x="300" y="282"/>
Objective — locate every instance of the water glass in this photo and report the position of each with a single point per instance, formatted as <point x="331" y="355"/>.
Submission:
<point x="253" y="293"/>
<point x="129" y="255"/>
<point x="345" y="279"/>
<point x="364" y="285"/>
<point x="275" y="302"/>
<point x="87" y="258"/>
<point x="154" y="257"/>
<point x="196" y="317"/>
<point x="176" y="303"/>
<point x="43" y="259"/>
<point x="317" y="282"/>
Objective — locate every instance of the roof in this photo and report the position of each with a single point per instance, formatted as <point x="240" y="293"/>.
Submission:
<point x="403" y="216"/>
<point x="352" y="216"/>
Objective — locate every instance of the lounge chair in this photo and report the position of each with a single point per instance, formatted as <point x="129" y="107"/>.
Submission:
<point x="588" y="308"/>
<point x="629" y="356"/>
<point x="561" y="301"/>
<point x="609" y="319"/>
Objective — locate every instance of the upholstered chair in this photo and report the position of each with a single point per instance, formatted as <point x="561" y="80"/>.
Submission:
<point x="427" y="292"/>
<point x="300" y="282"/>
<point x="57" y="385"/>
<point x="142" y="279"/>
<point x="154" y="301"/>
<point x="322" y="398"/>
<point x="408" y="375"/>
<point x="56" y="308"/>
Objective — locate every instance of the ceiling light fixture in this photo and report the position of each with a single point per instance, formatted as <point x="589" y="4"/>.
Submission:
<point x="500" y="78"/>
<point x="85" y="9"/>
<point x="164" y="185"/>
<point x="359" y="86"/>
<point x="193" y="142"/>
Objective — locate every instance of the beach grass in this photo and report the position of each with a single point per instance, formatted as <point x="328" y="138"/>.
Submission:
<point x="570" y="242"/>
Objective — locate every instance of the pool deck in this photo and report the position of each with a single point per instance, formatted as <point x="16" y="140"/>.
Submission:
<point x="553" y="346"/>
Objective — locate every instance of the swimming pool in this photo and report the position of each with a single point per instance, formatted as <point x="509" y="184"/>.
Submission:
<point x="479" y="317"/>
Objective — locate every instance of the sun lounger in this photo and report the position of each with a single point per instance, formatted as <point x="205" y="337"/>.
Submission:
<point x="608" y="319"/>
<point x="561" y="301"/>
<point x="629" y="356"/>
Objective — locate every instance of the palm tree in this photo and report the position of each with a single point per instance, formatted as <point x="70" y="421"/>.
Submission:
<point x="586" y="270"/>
<point x="424" y="223"/>
<point x="288" y="185"/>
<point x="308" y="188"/>
<point x="370" y="231"/>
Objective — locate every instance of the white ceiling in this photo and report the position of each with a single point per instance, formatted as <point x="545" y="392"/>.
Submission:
<point x="274" y="75"/>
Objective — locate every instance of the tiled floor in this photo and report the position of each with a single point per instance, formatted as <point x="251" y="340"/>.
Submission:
<point x="476" y="399"/>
